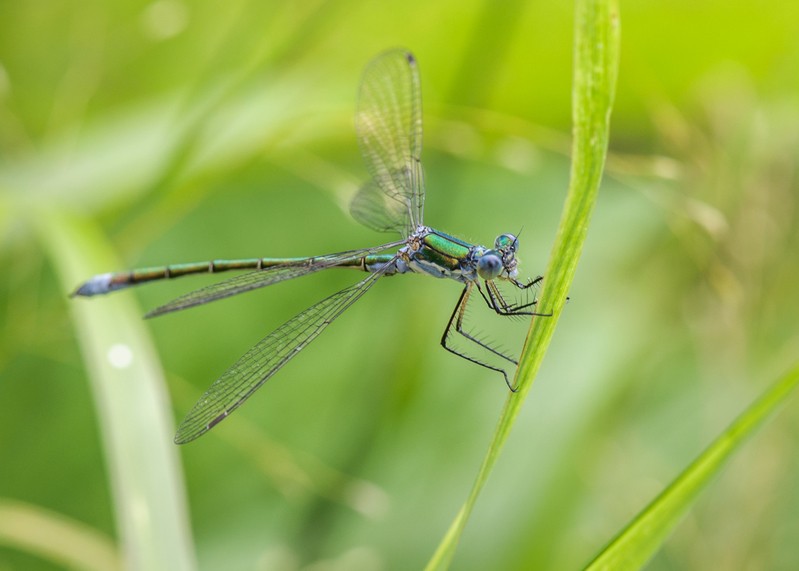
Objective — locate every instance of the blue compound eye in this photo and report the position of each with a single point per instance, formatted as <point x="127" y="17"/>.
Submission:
<point x="489" y="266"/>
<point x="506" y="242"/>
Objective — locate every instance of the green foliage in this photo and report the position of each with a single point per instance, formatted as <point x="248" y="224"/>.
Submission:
<point x="127" y="385"/>
<point x="56" y="538"/>
<point x="595" y="68"/>
<point x="636" y="544"/>
<point x="138" y="134"/>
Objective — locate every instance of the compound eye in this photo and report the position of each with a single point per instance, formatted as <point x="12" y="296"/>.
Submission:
<point x="489" y="266"/>
<point x="506" y="242"/>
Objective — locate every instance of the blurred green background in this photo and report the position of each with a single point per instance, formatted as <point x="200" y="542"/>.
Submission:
<point x="182" y="131"/>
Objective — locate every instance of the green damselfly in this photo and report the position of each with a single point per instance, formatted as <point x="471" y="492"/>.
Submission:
<point x="389" y="127"/>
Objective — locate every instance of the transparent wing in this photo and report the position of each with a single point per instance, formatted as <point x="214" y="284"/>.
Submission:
<point x="389" y="126"/>
<point x="262" y="278"/>
<point x="241" y="380"/>
<point x="371" y="208"/>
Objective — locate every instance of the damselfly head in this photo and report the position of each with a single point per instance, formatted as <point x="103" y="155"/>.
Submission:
<point x="505" y="247"/>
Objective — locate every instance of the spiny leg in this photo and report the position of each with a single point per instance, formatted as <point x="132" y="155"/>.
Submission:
<point x="494" y="299"/>
<point x="507" y="309"/>
<point x="483" y="344"/>
<point x="525" y="286"/>
<point x="497" y="303"/>
<point x="529" y="284"/>
<point x="456" y="320"/>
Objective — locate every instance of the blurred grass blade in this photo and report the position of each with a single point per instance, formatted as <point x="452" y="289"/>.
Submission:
<point x="595" y="68"/>
<point x="132" y="406"/>
<point x="56" y="538"/>
<point x="633" y="547"/>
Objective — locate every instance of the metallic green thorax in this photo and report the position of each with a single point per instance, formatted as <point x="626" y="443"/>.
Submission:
<point x="444" y="251"/>
<point x="447" y="245"/>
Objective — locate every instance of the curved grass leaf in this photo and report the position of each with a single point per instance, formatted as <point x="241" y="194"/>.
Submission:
<point x="56" y="538"/>
<point x="595" y="68"/>
<point x="633" y="547"/>
<point x="131" y="401"/>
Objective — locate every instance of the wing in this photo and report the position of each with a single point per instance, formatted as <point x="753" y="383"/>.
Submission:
<point x="241" y="380"/>
<point x="262" y="278"/>
<point x="389" y="126"/>
<point x="372" y="208"/>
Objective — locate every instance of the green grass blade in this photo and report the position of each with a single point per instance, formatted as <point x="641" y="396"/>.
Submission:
<point x="132" y="405"/>
<point x="633" y="547"/>
<point x="595" y="68"/>
<point x="56" y="538"/>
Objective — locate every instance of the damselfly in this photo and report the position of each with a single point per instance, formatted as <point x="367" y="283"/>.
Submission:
<point x="389" y="127"/>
